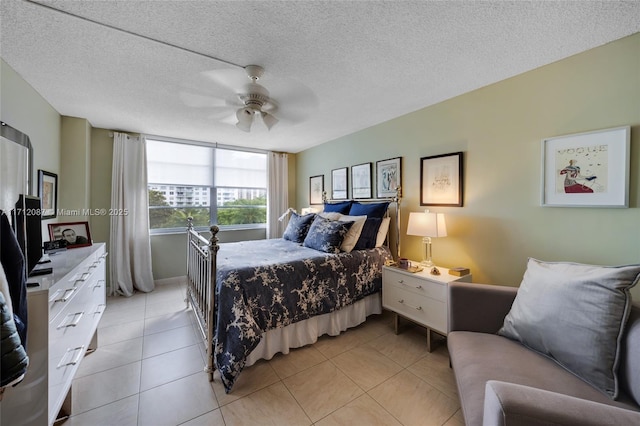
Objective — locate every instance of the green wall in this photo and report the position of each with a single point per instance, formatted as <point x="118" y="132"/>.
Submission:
<point x="500" y="128"/>
<point x="24" y="109"/>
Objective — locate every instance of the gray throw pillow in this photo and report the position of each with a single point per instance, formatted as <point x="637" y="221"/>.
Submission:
<point x="574" y="314"/>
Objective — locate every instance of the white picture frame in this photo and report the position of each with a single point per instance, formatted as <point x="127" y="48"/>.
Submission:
<point x="589" y="169"/>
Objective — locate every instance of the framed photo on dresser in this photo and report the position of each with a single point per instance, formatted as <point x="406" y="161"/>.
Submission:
<point x="76" y="234"/>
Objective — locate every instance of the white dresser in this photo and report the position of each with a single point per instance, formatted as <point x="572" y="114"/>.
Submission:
<point x="420" y="297"/>
<point x="64" y="310"/>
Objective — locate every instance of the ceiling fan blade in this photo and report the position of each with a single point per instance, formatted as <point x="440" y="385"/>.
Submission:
<point x="226" y="118"/>
<point x="293" y="101"/>
<point x="195" y="100"/>
<point x="231" y="79"/>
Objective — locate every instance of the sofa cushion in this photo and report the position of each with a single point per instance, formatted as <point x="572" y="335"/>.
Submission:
<point x="629" y="372"/>
<point x="479" y="357"/>
<point x="575" y="314"/>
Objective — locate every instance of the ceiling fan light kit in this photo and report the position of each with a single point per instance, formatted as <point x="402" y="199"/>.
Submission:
<point x="255" y="98"/>
<point x="237" y="94"/>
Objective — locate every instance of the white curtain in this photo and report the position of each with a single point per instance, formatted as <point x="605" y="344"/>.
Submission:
<point x="277" y="192"/>
<point x="130" y="246"/>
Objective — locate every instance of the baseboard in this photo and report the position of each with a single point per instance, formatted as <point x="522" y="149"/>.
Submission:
<point x="171" y="281"/>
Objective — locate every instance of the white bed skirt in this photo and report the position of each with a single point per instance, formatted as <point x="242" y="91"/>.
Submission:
<point x="307" y="332"/>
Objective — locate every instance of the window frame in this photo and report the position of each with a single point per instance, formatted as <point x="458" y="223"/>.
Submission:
<point x="213" y="189"/>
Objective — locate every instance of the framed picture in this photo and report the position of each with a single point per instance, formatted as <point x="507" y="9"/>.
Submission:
<point x="361" y="181"/>
<point x="316" y="189"/>
<point x="587" y="169"/>
<point x="48" y="193"/>
<point x="388" y="177"/>
<point x="441" y="180"/>
<point x="339" y="184"/>
<point x="76" y="234"/>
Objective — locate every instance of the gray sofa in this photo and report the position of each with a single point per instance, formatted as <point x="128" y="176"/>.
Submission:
<point x="501" y="382"/>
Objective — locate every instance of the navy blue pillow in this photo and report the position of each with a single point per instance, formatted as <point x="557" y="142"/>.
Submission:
<point x="298" y="227"/>
<point x="326" y="235"/>
<point x="342" y="208"/>
<point x="370" y="210"/>
<point x="369" y="234"/>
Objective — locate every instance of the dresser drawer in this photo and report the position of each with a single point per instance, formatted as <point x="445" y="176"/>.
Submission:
<point x="63" y="292"/>
<point x="415" y="284"/>
<point x="424" y="310"/>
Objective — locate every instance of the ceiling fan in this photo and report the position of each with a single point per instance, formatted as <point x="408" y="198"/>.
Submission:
<point x="237" y="95"/>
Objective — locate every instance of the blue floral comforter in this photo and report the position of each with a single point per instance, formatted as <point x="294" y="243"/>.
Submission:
<point x="266" y="284"/>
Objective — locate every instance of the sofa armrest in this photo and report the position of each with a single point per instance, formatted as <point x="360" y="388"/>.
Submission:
<point x="511" y="404"/>
<point x="479" y="307"/>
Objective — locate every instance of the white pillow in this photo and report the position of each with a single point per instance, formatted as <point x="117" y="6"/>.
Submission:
<point x="353" y="235"/>
<point x="382" y="231"/>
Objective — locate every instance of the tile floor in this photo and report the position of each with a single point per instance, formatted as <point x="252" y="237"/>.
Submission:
<point x="148" y="370"/>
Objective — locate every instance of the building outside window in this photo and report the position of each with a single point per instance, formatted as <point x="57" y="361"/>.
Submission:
<point x="214" y="185"/>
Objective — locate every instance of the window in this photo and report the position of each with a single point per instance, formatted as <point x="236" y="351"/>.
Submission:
<point x="214" y="185"/>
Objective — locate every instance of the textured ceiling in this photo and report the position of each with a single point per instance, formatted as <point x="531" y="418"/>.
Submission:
<point x="366" y="61"/>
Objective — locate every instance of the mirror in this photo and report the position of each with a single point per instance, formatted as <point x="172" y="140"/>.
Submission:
<point x="16" y="166"/>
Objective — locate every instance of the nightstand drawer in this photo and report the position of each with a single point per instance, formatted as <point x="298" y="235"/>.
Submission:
<point x="421" y="309"/>
<point x="415" y="284"/>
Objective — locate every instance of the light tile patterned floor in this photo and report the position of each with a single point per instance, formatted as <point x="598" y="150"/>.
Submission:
<point x="148" y="370"/>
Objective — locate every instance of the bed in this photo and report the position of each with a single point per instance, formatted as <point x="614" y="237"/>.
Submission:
<point x="254" y="299"/>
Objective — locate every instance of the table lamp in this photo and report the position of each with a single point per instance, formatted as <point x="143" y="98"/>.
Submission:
<point x="427" y="225"/>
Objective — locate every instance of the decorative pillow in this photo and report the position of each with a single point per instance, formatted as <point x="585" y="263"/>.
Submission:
<point x="352" y="236"/>
<point x="369" y="234"/>
<point x="298" y="227"/>
<point x="382" y="231"/>
<point x="326" y="235"/>
<point x="331" y="215"/>
<point x="370" y="210"/>
<point x="574" y="314"/>
<point x="342" y="208"/>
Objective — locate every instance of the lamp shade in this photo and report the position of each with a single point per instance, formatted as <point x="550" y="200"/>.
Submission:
<point x="427" y="224"/>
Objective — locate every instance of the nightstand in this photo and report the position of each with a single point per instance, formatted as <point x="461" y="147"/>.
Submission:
<point x="419" y="297"/>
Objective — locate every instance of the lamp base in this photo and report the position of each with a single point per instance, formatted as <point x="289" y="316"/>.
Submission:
<point x="426" y="261"/>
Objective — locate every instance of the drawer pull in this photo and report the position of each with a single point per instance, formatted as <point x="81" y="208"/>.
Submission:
<point x="100" y="309"/>
<point x="418" y="287"/>
<point x="67" y="294"/>
<point x="417" y="308"/>
<point x="74" y="322"/>
<point x="99" y="284"/>
<point x="84" y="276"/>
<point x="74" y="360"/>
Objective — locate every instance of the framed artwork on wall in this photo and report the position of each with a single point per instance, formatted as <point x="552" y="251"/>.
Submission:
<point x="76" y="234"/>
<point x="587" y="169"/>
<point x="339" y="184"/>
<point x="388" y="177"/>
<point x="316" y="189"/>
<point x="361" y="181"/>
<point x="48" y="194"/>
<point x="441" y="180"/>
